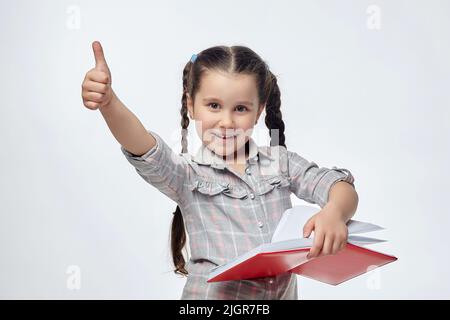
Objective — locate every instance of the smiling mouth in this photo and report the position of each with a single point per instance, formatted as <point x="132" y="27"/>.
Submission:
<point x="225" y="137"/>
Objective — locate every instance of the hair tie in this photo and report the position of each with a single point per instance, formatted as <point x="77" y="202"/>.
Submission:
<point x="193" y="58"/>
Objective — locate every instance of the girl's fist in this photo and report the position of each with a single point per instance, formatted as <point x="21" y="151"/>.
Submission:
<point x="96" y="89"/>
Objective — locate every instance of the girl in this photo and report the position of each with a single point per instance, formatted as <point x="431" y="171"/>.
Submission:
<point x="231" y="194"/>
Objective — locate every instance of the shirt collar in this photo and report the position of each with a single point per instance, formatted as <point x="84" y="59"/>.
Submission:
<point x="207" y="157"/>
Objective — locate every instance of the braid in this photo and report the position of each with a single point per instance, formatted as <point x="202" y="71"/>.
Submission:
<point x="184" y="126"/>
<point x="178" y="234"/>
<point x="274" y="118"/>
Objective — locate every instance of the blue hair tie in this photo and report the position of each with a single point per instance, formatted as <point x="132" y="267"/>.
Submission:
<point x="193" y="58"/>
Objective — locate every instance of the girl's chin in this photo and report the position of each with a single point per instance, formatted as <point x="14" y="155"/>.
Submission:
<point x="224" y="149"/>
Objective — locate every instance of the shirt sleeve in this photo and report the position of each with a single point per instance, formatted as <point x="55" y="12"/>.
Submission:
<point x="162" y="168"/>
<point x="312" y="183"/>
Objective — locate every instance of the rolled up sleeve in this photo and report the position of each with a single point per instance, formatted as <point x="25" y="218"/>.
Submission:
<point x="162" y="168"/>
<point x="312" y="183"/>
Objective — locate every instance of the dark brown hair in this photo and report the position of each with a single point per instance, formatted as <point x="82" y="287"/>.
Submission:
<point x="235" y="59"/>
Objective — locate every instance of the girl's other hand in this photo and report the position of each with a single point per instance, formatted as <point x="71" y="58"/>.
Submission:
<point x="96" y="87"/>
<point x="330" y="232"/>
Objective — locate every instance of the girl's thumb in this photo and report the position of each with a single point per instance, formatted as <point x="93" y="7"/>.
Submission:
<point x="100" y="61"/>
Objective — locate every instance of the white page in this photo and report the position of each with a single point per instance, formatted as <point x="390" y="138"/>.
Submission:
<point x="355" y="226"/>
<point x="362" y="241"/>
<point x="292" y="221"/>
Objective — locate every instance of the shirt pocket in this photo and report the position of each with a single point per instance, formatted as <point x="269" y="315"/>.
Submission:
<point x="267" y="185"/>
<point x="215" y="188"/>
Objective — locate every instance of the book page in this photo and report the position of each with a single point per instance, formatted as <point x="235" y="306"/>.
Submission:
<point x="355" y="226"/>
<point x="293" y="220"/>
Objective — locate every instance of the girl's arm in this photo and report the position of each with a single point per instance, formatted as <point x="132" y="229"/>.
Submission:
<point x="153" y="159"/>
<point x="98" y="94"/>
<point x="126" y="127"/>
<point x="344" y="198"/>
<point x="312" y="183"/>
<point x="334" y="191"/>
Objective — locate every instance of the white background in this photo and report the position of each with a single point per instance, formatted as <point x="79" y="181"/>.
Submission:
<point x="375" y="101"/>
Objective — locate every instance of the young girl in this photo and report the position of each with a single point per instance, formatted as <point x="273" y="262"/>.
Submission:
<point x="231" y="194"/>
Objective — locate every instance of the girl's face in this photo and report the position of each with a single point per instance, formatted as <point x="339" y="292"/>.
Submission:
<point x="225" y="111"/>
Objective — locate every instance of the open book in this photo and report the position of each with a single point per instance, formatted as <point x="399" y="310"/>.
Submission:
<point x="288" y="250"/>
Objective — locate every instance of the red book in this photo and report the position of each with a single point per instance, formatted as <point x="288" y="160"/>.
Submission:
<point x="287" y="253"/>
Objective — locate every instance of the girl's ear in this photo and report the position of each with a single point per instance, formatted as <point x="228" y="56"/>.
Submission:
<point x="259" y="112"/>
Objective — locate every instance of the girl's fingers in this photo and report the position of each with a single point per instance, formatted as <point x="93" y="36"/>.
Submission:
<point x="327" y="246"/>
<point x="308" y="227"/>
<point x="336" y="247"/>
<point x="96" y="87"/>
<point x="317" y="245"/>
<point x="93" y="96"/>
<point x="98" y="76"/>
<point x="89" y="85"/>
<point x="92" y="105"/>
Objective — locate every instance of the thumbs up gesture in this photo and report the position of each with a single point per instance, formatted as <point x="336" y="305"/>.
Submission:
<point x="96" y="88"/>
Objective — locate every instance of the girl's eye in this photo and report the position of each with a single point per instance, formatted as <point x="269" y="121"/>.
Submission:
<point x="238" y="107"/>
<point x="213" y="103"/>
<point x="243" y="107"/>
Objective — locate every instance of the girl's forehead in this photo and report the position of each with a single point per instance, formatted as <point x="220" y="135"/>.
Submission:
<point x="217" y="84"/>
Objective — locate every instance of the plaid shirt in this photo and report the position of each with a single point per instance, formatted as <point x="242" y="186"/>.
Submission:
<point x="227" y="213"/>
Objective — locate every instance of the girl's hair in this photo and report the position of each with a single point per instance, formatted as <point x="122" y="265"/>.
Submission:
<point x="235" y="59"/>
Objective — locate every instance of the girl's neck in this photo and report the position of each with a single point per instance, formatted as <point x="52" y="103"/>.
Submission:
<point x="235" y="159"/>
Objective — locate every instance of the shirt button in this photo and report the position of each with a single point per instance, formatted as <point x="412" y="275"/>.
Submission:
<point x="248" y="171"/>
<point x="260" y="224"/>
<point x="252" y="196"/>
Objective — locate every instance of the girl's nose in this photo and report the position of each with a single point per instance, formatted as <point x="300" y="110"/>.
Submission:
<point x="226" y="121"/>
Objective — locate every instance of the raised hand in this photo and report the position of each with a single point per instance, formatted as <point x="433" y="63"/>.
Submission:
<point x="96" y="87"/>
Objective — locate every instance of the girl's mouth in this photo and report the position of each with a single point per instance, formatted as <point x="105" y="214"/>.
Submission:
<point x="224" y="138"/>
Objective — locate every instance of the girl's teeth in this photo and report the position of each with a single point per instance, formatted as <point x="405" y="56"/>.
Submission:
<point x="223" y="137"/>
